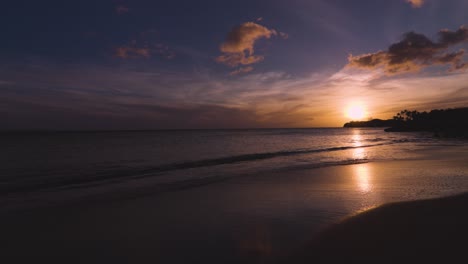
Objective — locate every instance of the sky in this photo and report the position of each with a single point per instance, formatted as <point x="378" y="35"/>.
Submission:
<point x="142" y="64"/>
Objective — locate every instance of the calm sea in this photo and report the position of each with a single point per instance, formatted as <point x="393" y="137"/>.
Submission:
<point x="46" y="162"/>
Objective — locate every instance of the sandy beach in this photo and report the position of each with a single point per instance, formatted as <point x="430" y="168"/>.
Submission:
<point x="426" y="231"/>
<point x="256" y="218"/>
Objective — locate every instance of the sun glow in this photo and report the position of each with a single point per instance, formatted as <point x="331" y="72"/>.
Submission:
<point x="356" y="112"/>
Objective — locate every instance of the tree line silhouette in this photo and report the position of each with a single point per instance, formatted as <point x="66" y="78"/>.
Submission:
<point x="451" y="122"/>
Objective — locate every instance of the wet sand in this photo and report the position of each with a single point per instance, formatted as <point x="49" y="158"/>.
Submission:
<point x="260" y="218"/>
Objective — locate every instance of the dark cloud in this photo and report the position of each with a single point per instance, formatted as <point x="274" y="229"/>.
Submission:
<point x="415" y="52"/>
<point x="238" y="49"/>
<point x="448" y="37"/>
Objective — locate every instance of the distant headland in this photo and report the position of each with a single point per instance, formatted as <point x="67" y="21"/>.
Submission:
<point x="371" y="123"/>
<point x="442" y="122"/>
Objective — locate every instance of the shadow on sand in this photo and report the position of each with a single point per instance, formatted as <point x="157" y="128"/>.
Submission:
<point x="424" y="231"/>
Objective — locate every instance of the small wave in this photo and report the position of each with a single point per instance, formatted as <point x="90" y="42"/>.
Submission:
<point x="40" y="183"/>
<point x="412" y="140"/>
<point x="325" y="164"/>
<point x="245" y="158"/>
<point x="375" y="140"/>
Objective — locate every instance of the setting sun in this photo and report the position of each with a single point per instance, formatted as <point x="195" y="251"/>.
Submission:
<point x="356" y="112"/>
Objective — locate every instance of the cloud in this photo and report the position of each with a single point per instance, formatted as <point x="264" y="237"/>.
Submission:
<point x="241" y="70"/>
<point x="416" y="3"/>
<point x="238" y="49"/>
<point x="57" y="95"/>
<point x="448" y="37"/>
<point x="120" y="9"/>
<point x="134" y="51"/>
<point x="283" y="35"/>
<point x="415" y="52"/>
<point x="125" y="52"/>
<point x="84" y="96"/>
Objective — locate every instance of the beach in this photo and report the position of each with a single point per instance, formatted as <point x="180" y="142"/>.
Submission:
<point x="425" y="231"/>
<point x="255" y="218"/>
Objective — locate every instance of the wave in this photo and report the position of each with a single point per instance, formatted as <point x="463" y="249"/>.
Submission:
<point x="325" y="164"/>
<point x="245" y="158"/>
<point x="59" y="181"/>
<point x="375" y="140"/>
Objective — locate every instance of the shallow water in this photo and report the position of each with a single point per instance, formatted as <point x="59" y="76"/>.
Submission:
<point x="35" y="163"/>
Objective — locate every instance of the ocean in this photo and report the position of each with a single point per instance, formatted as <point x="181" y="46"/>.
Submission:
<point x="206" y="196"/>
<point x="41" y="166"/>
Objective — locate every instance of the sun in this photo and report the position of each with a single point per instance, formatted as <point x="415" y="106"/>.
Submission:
<point x="356" y="112"/>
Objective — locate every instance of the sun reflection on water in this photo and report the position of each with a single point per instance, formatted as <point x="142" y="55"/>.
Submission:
<point x="362" y="177"/>
<point x="356" y="139"/>
<point x="358" y="152"/>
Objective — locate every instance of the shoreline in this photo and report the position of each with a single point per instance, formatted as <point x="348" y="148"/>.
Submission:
<point x="257" y="219"/>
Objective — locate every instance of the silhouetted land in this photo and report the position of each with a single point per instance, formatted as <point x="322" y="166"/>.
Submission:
<point x="371" y="123"/>
<point x="442" y="122"/>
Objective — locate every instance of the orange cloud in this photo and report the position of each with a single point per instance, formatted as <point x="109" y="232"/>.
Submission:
<point x="416" y="3"/>
<point x="238" y="49"/>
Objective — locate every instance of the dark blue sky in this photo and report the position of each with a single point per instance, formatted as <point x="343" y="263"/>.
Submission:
<point x="219" y="64"/>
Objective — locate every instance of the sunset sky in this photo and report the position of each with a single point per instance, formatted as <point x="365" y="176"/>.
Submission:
<point x="142" y="64"/>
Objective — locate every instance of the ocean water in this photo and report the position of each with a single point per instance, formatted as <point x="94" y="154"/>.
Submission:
<point x="207" y="196"/>
<point x="95" y="163"/>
